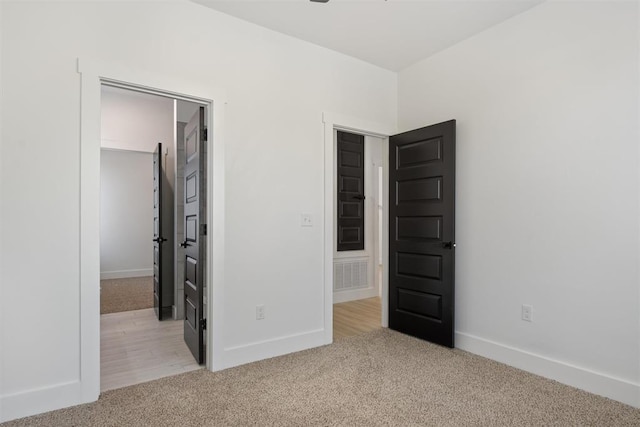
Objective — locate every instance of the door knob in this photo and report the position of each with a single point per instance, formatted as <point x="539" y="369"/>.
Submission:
<point x="448" y="245"/>
<point x="359" y="197"/>
<point x="159" y="240"/>
<point x="184" y="244"/>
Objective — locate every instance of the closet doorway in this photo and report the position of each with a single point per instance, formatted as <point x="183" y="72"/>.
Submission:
<point x="142" y="265"/>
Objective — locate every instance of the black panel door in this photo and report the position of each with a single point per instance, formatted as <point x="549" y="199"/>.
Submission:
<point x="421" y="232"/>
<point x="350" y="182"/>
<point x="194" y="231"/>
<point x="158" y="240"/>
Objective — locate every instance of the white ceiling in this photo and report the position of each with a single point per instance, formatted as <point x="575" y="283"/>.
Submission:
<point x="392" y="34"/>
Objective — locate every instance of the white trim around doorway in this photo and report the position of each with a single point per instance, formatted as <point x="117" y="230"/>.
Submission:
<point x="333" y="121"/>
<point x="93" y="74"/>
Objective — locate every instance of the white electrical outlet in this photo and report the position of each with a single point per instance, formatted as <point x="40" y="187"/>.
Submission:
<point x="259" y="312"/>
<point x="527" y="312"/>
<point x="306" y="220"/>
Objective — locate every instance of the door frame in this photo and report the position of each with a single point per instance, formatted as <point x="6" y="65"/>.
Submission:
<point x="92" y="75"/>
<point x="331" y="122"/>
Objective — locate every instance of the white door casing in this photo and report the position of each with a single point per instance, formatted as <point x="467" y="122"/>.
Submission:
<point x="93" y="75"/>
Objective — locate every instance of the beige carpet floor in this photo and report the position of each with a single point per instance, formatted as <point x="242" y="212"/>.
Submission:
<point x="379" y="378"/>
<point x="134" y="293"/>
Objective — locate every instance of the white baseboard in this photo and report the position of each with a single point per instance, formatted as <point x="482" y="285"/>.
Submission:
<point x="355" y="294"/>
<point x="235" y="356"/>
<point x="594" y="382"/>
<point x="123" y="274"/>
<point x="40" y="400"/>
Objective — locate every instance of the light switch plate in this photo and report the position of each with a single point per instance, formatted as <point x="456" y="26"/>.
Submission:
<point x="260" y="312"/>
<point x="306" y="220"/>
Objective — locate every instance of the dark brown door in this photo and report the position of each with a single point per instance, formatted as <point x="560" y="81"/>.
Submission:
<point x="195" y="232"/>
<point x="421" y="232"/>
<point x="158" y="239"/>
<point x="350" y="201"/>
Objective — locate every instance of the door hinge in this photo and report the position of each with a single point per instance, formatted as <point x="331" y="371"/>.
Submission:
<point x="203" y="229"/>
<point x="203" y="323"/>
<point x="205" y="134"/>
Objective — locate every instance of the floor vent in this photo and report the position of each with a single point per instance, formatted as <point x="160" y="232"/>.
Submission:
<point x="350" y="274"/>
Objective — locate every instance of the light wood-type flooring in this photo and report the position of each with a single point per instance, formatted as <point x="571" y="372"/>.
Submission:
<point x="356" y="317"/>
<point x="135" y="348"/>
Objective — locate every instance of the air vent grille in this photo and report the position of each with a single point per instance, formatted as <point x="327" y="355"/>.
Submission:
<point x="350" y="274"/>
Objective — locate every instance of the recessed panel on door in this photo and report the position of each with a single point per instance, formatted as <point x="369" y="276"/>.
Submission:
<point x="350" y="209"/>
<point x="191" y="314"/>
<point x="191" y="188"/>
<point x="191" y="228"/>
<point x="419" y="190"/>
<point x="351" y="159"/>
<point x="191" y="272"/>
<point x="350" y="235"/>
<point x="420" y="304"/>
<point x="350" y="184"/>
<point x="419" y="228"/>
<point x="191" y="144"/>
<point x="419" y="153"/>
<point x="421" y="266"/>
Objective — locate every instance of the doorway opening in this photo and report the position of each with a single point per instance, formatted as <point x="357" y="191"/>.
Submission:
<point x="418" y="168"/>
<point x="358" y="218"/>
<point x="333" y="122"/>
<point x="145" y="331"/>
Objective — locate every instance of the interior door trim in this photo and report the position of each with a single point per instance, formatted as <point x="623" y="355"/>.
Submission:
<point x="93" y="73"/>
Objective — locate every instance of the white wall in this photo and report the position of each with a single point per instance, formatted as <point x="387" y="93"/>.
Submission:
<point x="547" y="188"/>
<point x="135" y="121"/>
<point x="2" y="315"/>
<point x="126" y="214"/>
<point x="130" y="121"/>
<point x="277" y="89"/>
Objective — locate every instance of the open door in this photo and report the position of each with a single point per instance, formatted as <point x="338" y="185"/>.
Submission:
<point x="195" y="230"/>
<point x="421" y="232"/>
<point x="158" y="239"/>
<point x="350" y="204"/>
